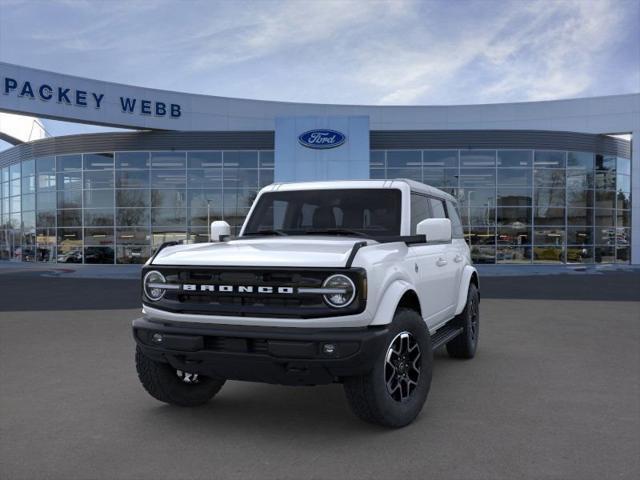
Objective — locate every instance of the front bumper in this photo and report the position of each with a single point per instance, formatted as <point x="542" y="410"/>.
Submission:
<point x="289" y="356"/>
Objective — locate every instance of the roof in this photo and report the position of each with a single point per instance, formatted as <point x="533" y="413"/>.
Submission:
<point x="343" y="184"/>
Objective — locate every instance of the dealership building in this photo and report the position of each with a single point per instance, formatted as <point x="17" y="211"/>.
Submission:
<point x="538" y="182"/>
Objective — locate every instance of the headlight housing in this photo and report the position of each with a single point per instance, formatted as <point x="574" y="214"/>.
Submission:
<point x="340" y="291"/>
<point x="152" y="285"/>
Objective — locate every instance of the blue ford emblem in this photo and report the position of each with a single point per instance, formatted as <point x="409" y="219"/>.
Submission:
<point x="322" y="138"/>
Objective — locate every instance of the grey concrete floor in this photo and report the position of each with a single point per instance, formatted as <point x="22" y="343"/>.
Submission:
<point x="554" y="392"/>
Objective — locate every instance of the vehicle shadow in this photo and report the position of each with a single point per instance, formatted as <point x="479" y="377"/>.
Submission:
<point x="276" y="409"/>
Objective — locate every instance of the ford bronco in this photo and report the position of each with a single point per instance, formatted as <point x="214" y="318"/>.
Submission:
<point x="354" y="282"/>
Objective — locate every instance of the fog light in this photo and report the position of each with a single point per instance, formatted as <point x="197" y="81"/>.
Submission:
<point x="329" y="348"/>
<point x="157" y="338"/>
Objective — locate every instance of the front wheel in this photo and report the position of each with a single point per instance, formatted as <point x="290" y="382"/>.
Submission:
<point x="393" y="393"/>
<point x="172" y="386"/>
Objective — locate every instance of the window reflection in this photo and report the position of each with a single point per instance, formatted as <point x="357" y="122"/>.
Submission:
<point x="168" y="179"/>
<point x="240" y="159"/>
<point x="203" y="160"/>
<point x="581" y="160"/>
<point x="548" y="215"/>
<point x="97" y="161"/>
<point x="68" y="162"/>
<point x="68" y="199"/>
<point x="514" y="196"/>
<point x="517" y="206"/>
<point x="132" y="179"/>
<point x="548" y="254"/>
<point x="133" y="198"/>
<point x="138" y="160"/>
<point x="440" y="159"/>
<point x="508" y="254"/>
<point x="95" y="217"/>
<point x="404" y="158"/>
<point x="168" y="160"/>
<point x="477" y="177"/>
<point x="583" y="254"/>
<point x="549" y="159"/>
<point x="513" y="215"/>
<point x="169" y="217"/>
<point x="128" y="254"/>
<point x="514" y="234"/>
<point x="168" y="198"/>
<point x="514" y="158"/>
<point x="483" y="254"/>
<point x="605" y="254"/>
<point x="133" y="216"/>
<point x="580" y="235"/>
<point x="549" y="236"/>
<point x="205" y="178"/>
<point x="514" y="176"/>
<point x="98" y="179"/>
<point x="477" y="158"/>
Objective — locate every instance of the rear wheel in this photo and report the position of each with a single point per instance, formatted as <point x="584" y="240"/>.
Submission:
<point x="393" y="393"/>
<point x="172" y="386"/>
<point x="465" y="344"/>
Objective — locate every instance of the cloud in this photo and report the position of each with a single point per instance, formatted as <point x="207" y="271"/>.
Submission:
<point x="533" y="51"/>
<point x="338" y="51"/>
<point x="292" y="24"/>
<point x="554" y="54"/>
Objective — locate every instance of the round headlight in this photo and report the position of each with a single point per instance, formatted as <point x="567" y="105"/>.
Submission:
<point x="153" y="285"/>
<point x="343" y="291"/>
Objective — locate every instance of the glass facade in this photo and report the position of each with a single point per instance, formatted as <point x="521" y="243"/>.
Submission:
<point x="517" y="206"/>
<point x="117" y="207"/>
<point x="528" y="206"/>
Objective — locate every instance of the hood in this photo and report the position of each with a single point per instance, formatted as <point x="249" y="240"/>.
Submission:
<point x="307" y="251"/>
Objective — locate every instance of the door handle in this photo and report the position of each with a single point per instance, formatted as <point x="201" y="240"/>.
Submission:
<point x="457" y="258"/>
<point x="441" y="262"/>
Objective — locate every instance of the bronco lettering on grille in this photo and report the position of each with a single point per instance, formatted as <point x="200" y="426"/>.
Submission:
<point x="190" y="287"/>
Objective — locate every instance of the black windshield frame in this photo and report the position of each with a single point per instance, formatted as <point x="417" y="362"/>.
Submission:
<point x="362" y="212"/>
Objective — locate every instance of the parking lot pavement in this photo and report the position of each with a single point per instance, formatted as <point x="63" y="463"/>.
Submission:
<point x="552" y="393"/>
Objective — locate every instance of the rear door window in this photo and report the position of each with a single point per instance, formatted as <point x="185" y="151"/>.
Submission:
<point x="419" y="210"/>
<point x="437" y="208"/>
<point x="456" y="224"/>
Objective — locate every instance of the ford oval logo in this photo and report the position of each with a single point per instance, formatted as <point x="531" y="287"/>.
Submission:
<point x="322" y="138"/>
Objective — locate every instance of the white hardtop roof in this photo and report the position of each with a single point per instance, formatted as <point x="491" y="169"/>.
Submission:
<point x="340" y="184"/>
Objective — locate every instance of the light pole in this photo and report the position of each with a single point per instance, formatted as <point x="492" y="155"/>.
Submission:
<point x="209" y="219"/>
<point x="469" y="212"/>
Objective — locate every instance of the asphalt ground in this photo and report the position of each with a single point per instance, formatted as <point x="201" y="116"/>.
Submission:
<point x="554" y="392"/>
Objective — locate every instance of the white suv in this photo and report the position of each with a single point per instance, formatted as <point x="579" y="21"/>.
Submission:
<point x="355" y="282"/>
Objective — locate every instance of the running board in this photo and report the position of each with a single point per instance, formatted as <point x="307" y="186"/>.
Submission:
<point x="444" y="335"/>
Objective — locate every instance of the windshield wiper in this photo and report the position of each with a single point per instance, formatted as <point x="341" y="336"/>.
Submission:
<point x="267" y="232"/>
<point x="336" y="231"/>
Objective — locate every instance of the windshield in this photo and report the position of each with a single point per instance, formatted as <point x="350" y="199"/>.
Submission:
<point x="371" y="212"/>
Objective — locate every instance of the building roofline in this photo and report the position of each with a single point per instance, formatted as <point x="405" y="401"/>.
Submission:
<point x="264" y="140"/>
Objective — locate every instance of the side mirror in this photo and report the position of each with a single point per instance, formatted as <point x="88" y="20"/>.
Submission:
<point x="435" y="229"/>
<point x="220" y="230"/>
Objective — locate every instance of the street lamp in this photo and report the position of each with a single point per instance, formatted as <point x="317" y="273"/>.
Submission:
<point x="469" y="211"/>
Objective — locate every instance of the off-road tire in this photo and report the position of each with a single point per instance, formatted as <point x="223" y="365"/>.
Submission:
<point x="465" y="344"/>
<point x="163" y="383"/>
<point x="368" y="395"/>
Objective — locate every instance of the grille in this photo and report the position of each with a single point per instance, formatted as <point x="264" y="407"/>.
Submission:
<point x="254" y="304"/>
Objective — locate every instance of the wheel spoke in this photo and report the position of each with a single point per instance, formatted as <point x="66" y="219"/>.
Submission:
<point x="186" y="377"/>
<point x="402" y="366"/>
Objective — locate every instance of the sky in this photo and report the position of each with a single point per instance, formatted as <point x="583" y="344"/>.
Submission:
<point x="391" y="52"/>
